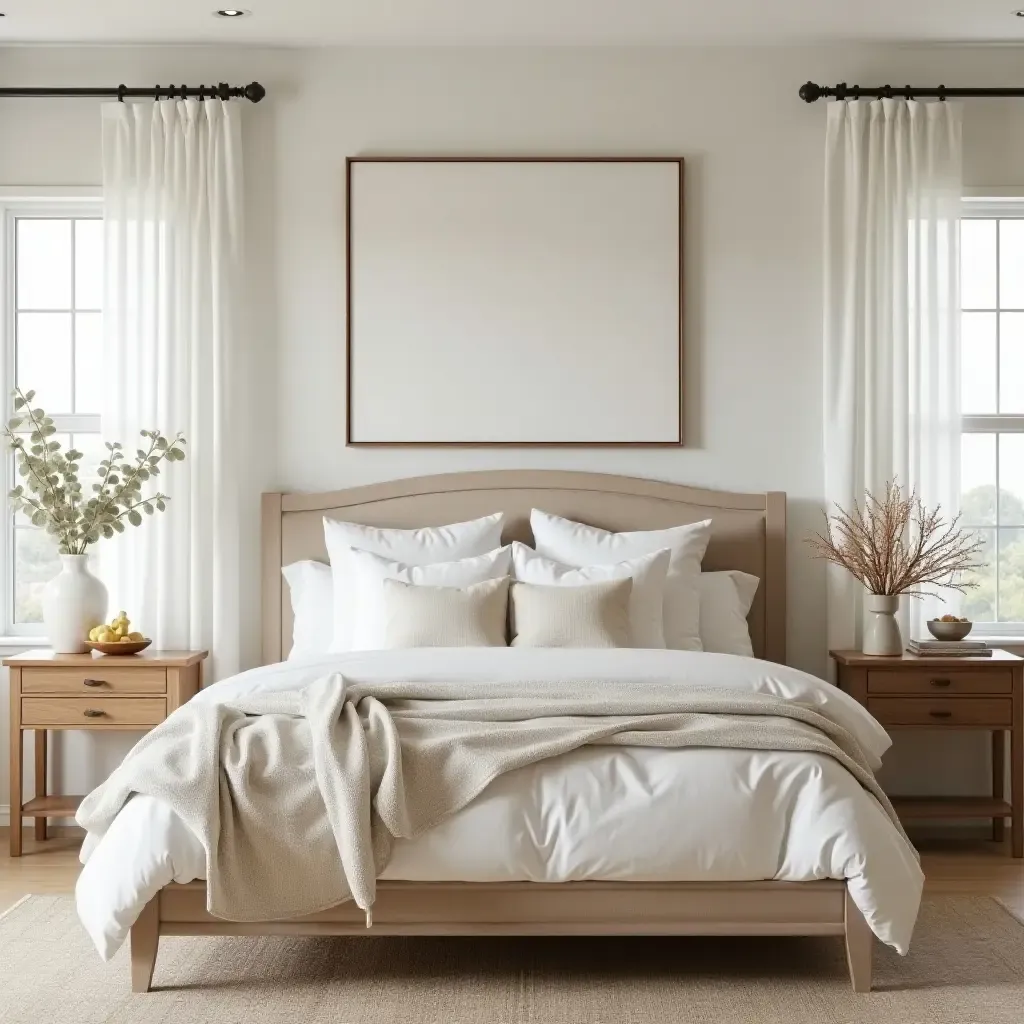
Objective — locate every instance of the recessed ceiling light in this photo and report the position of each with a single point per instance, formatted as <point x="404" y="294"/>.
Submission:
<point x="232" y="12"/>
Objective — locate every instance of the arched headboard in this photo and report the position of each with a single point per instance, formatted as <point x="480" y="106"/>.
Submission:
<point x="749" y="531"/>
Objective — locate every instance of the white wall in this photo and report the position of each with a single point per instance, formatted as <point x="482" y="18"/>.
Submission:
<point x="753" y="245"/>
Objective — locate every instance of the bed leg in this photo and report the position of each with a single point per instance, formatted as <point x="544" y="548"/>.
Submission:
<point x="859" y="946"/>
<point x="145" y="939"/>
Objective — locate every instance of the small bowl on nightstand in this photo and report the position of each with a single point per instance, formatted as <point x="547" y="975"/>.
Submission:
<point x="132" y="647"/>
<point x="949" y="630"/>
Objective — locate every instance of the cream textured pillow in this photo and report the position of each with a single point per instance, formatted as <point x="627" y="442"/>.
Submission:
<point x="646" y="602"/>
<point x="472" y="616"/>
<point x="367" y="573"/>
<point x="725" y="600"/>
<point x="424" y="546"/>
<point x="592" y="615"/>
<point x="578" y="545"/>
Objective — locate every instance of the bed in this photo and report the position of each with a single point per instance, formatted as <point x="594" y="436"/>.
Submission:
<point x="749" y="534"/>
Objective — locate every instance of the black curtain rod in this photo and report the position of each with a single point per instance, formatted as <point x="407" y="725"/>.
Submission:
<point x="809" y="92"/>
<point x="253" y="92"/>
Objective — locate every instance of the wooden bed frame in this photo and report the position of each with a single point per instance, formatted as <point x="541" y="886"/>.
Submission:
<point x="749" y="533"/>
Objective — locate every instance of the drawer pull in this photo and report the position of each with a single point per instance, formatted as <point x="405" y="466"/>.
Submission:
<point x="93" y="713"/>
<point x="942" y="682"/>
<point x="941" y="714"/>
<point x="94" y="682"/>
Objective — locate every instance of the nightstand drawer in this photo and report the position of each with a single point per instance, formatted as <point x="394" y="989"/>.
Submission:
<point x="940" y="681"/>
<point x="92" y="712"/>
<point x="103" y="680"/>
<point x="937" y="711"/>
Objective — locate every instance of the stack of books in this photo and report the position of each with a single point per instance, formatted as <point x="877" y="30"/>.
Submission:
<point x="950" y="648"/>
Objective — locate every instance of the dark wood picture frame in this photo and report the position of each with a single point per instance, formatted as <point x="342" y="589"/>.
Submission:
<point x="351" y="161"/>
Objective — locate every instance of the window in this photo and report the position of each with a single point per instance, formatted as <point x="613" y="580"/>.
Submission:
<point x="992" y="471"/>
<point x="51" y="329"/>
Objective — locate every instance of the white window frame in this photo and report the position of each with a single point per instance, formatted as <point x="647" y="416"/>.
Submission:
<point x="987" y="208"/>
<point x="59" y="203"/>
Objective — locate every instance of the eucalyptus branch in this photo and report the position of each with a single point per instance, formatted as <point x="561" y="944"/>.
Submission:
<point x="893" y="545"/>
<point x="52" y="494"/>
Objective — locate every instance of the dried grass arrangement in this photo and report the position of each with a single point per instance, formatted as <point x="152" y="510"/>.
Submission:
<point x="894" y="545"/>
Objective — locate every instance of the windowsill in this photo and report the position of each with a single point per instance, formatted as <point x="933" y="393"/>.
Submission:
<point x="25" y="642"/>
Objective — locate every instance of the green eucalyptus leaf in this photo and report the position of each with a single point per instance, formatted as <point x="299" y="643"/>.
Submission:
<point x="19" y="403"/>
<point x="134" y="518"/>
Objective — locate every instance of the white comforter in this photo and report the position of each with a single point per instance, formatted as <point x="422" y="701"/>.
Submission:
<point x="597" y="813"/>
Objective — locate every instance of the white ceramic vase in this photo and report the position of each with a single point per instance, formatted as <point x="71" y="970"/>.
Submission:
<point x="881" y="630"/>
<point x="73" y="602"/>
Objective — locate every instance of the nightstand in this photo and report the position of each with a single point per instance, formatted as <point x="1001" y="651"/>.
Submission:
<point x="86" y="691"/>
<point x="908" y="692"/>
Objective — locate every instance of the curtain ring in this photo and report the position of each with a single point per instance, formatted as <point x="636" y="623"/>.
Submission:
<point x="887" y="91"/>
<point x="202" y="93"/>
<point x="942" y="94"/>
<point x="156" y="92"/>
<point x="909" y="92"/>
<point x="841" y="91"/>
<point x="120" y="92"/>
<point x="856" y="92"/>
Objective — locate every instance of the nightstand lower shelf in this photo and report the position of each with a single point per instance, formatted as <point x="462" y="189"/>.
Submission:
<point x="910" y="807"/>
<point x="63" y="806"/>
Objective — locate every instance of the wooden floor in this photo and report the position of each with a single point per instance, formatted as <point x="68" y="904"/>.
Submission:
<point x="952" y="867"/>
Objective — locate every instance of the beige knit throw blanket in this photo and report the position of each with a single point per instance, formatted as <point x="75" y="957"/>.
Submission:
<point x="298" y="796"/>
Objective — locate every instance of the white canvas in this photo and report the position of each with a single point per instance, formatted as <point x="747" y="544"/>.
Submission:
<point x="515" y="302"/>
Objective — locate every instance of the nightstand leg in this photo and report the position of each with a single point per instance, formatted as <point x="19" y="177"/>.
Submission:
<point x="17" y="754"/>
<point x="40" y="751"/>
<point x="998" y="779"/>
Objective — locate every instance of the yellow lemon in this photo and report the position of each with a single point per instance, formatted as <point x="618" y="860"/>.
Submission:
<point x="105" y="636"/>
<point x="136" y="636"/>
<point x="126" y="640"/>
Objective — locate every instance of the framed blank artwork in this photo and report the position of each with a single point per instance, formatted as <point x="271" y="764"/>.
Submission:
<point x="514" y="301"/>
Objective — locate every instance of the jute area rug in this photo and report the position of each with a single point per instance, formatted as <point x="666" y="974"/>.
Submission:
<point x="967" y="966"/>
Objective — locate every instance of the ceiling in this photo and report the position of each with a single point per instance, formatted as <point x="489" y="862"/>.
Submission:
<point x="482" y="22"/>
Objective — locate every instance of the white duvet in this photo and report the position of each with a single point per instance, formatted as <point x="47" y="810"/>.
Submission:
<point x="597" y="813"/>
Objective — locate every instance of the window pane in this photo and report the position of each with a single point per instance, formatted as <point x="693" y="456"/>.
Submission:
<point x="1011" y="480"/>
<point x="978" y="479"/>
<point x="1011" y="362"/>
<point x="980" y="604"/>
<point x="44" y="263"/>
<point x="44" y="359"/>
<point x="36" y="562"/>
<point x="88" y="362"/>
<point x="88" y="264"/>
<point x="1011" y="575"/>
<point x="1011" y="264"/>
<point x="978" y="264"/>
<point x="979" y="362"/>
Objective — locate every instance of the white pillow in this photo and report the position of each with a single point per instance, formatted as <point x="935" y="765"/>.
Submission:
<point x="312" y="594"/>
<point x="647" y="599"/>
<point x="578" y="545"/>
<point x="413" y="547"/>
<point x="473" y="616"/>
<point x="589" y="615"/>
<point x="725" y="600"/>
<point x="366" y="584"/>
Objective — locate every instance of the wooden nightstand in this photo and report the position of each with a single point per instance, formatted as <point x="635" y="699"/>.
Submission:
<point x="86" y="691"/>
<point x="907" y="692"/>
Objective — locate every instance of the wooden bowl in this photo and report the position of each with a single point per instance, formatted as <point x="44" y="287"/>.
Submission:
<point x="132" y="647"/>
<point x="948" y="630"/>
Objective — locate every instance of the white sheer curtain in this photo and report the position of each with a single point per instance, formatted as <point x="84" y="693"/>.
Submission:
<point x="172" y="185"/>
<point x="892" y="318"/>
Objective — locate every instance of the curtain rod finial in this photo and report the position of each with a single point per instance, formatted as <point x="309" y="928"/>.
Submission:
<point x="809" y="92"/>
<point x="254" y="92"/>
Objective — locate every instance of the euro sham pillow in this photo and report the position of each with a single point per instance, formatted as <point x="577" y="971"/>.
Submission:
<point x="412" y="547"/>
<point x="578" y="545"/>
<point x="312" y="595"/>
<point x="647" y="597"/>
<point x="425" y="616"/>
<point x="367" y="573"/>
<point x="725" y="600"/>
<point x="591" y="615"/>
